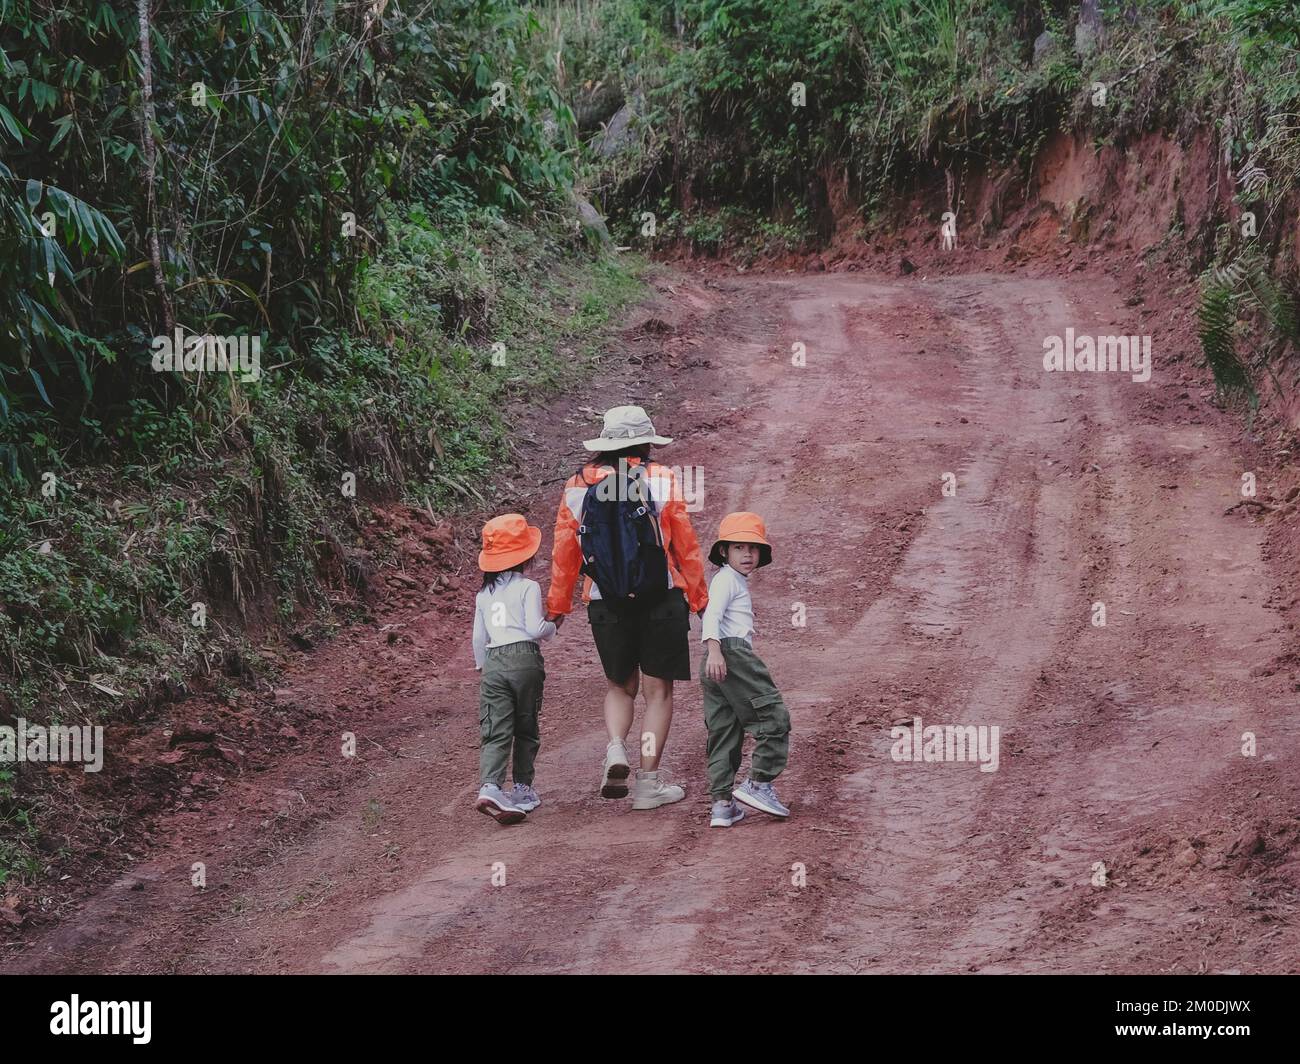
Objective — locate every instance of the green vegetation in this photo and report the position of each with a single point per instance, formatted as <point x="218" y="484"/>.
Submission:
<point x="266" y="150"/>
<point x="17" y="833"/>
<point x="1241" y="300"/>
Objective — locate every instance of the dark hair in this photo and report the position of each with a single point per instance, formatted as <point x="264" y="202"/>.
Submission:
<point x="641" y="450"/>
<point x="724" y="544"/>
<point x="490" y="579"/>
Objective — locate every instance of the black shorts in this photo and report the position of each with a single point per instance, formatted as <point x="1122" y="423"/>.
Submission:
<point x="655" y="639"/>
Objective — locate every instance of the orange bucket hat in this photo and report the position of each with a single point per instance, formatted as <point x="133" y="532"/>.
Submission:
<point x="507" y="541"/>
<point x="742" y="527"/>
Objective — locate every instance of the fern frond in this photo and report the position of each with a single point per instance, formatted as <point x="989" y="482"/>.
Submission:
<point x="1217" y="318"/>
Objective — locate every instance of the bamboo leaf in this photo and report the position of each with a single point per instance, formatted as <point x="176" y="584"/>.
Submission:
<point x="16" y="129"/>
<point x="87" y="216"/>
<point x="40" y="386"/>
<point x="63" y="125"/>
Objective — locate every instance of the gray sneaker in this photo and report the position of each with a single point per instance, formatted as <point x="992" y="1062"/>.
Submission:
<point x="525" y="797"/>
<point x="761" y="796"/>
<point x="494" y="802"/>
<point x="725" y="813"/>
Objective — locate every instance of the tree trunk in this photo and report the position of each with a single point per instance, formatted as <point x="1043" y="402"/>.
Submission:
<point x="149" y="150"/>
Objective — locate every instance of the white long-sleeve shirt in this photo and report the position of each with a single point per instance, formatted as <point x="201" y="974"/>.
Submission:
<point x="510" y="612"/>
<point x="730" y="612"/>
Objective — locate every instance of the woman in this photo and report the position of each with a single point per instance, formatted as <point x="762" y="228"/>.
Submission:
<point x="643" y="643"/>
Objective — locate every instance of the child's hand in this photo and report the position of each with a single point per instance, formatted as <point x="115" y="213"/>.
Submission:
<point x="715" y="668"/>
<point x="557" y="619"/>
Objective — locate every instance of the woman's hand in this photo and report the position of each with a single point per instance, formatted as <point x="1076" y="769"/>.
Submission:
<point x="556" y="619"/>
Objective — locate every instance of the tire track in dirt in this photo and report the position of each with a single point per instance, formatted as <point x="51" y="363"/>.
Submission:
<point x="973" y="608"/>
<point x="992" y="832"/>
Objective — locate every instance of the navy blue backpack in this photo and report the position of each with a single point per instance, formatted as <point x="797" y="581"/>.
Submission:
<point x="621" y="541"/>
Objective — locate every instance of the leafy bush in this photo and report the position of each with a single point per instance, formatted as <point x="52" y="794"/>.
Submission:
<point x="279" y="140"/>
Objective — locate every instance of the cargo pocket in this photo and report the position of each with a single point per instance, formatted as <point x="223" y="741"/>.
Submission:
<point x="773" y="717"/>
<point x="598" y="613"/>
<point x="672" y="611"/>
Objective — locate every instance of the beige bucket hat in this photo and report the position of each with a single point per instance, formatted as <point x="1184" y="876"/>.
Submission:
<point x="625" y="426"/>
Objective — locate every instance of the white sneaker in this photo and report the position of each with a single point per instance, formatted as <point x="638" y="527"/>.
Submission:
<point x="617" y="770"/>
<point x="524" y="797"/>
<point x="651" y="791"/>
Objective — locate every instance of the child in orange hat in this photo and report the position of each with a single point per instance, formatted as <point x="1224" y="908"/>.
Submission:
<point x="508" y="624"/>
<point x="739" y="695"/>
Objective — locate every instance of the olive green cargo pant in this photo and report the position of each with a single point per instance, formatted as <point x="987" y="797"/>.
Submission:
<point x="746" y="701"/>
<point x="509" y="700"/>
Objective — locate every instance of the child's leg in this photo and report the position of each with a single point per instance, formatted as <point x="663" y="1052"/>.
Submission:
<point x="761" y="709"/>
<point x="527" y="684"/>
<point x="496" y="710"/>
<point x="726" y="737"/>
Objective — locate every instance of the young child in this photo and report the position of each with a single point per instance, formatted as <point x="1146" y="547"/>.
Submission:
<point x="739" y="695"/>
<point x="508" y="624"/>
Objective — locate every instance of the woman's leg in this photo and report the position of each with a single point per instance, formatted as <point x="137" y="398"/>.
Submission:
<point x="658" y="719"/>
<point x="663" y="647"/>
<point x="620" y="703"/>
<point x="651" y="790"/>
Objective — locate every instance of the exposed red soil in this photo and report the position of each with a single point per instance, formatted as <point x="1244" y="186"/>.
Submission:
<point x="1119" y="744"/>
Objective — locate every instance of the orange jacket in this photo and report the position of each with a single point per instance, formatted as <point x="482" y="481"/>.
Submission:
<point x="685" y="565"/>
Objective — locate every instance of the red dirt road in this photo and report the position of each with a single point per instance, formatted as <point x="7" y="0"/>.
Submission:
<point x="1119" y="744"/>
